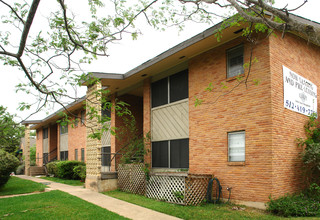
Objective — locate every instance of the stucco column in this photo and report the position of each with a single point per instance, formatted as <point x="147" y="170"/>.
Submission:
<point x="147" y="118"/>
<point x="93" y="147"/>
<point x="26" y="151"/>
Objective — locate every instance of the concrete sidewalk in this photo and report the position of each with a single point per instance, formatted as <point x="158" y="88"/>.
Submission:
<point x="120" y="207"/>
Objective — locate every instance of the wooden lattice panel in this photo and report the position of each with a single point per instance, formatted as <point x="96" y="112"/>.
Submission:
<point x="166" y="188"/>
<point x="196" y="189"/>
<point x="131" y="178"/>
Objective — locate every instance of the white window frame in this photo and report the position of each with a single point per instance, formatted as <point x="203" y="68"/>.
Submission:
<point x="231" y="148"/>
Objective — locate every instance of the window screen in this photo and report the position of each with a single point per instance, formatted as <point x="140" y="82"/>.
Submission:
<point x="105" y="111"/>
<point x="159" y="92"/>
<point x="63" y="129"/>
<point x="45" y="133"/>
<point x="235" y="61"/>
<point x="160" y="154"/>
<point x="83" y="115"/>
<point x="76" y="154"/>
<point x="82" y="154"/>
<point x="178" y="86"/>
<point x="179" y="153"/>
<point x="64" y="155"/>
<point x="106" y="156"/>
<point x="236" y="145"/>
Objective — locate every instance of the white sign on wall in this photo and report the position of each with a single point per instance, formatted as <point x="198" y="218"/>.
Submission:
<point x="300" y="95"/>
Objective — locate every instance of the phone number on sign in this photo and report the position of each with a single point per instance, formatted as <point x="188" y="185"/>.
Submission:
<point x="299" y="108"/>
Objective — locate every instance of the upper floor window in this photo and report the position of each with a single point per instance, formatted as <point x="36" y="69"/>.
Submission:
<point x="235" y="61"/>
<point x="45" y="133"/>
<point x="170" y="89"/>
<point x="63" y="129"/>
<point x="83" y="115"/>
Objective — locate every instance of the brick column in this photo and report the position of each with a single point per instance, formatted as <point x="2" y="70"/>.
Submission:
<point x="147" y="117"/>
<point x="113" y="137"/>
<point x="93" y="147"/>
<point x="26" y="151"/>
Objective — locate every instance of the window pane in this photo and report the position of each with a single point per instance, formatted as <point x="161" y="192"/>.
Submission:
<point x="236" y="143"/>
<point x="63" y="129"/>
<point x="179" y="86"/>
<point x="159" y="92"/>
<point x="160" y="154"/>
<point x="179" y="153"/>
<point x="235" y="61"/>
<point x="105" y="111"/>
<point x="76" y="154"/>
<point x="45" y="133"/>
<point x="106" y="158"/>
<point x="82" y="154"/>
<point x="83" y="114"/>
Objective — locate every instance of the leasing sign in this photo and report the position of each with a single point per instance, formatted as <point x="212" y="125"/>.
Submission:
<point x="300" y="95"/>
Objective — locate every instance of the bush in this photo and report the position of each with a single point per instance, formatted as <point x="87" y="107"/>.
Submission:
<point x="20" y="169"/>
<point x="65" y="169"/>
<point x="8" y="164"/>
<point x="32" y="156"/>
<point x="52" y="168"/>
<point x="306" y="203"/>
<point x="80" y="171"/>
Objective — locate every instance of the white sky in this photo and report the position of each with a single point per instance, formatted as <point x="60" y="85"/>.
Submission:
<point x="128" y="54"/>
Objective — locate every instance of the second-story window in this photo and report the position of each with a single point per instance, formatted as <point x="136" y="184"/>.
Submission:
<point x="170" y="89"/>
<point x="235" y="61"/>
<point x="63" y="129"/>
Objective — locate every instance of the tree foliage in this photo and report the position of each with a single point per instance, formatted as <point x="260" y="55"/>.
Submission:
<point x="10" y="131"/>
<point x="52" y="54"/>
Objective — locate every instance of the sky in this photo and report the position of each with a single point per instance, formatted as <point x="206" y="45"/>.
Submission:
<point x="126" y="55"/>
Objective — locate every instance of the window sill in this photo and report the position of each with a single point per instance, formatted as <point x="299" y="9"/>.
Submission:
<point x="235" y="77"/>
<point x="242" y="163"/>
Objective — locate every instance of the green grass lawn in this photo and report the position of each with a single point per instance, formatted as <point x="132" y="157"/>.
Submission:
<point x="206" y="211"/>
<point x="64" y="181"/>
<point x="52" y="205"/>
<point x="16" y="185"/>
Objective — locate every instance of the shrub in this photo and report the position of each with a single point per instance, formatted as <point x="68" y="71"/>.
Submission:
<point x="8" y="164"/>
<point x="65" y="169"/>
<point x="32" y="156"/>
<point x="80" y="171"/>
<point x="20" y="169"/>
<point x="306" y="203"/>
<point x="52" y="168"/>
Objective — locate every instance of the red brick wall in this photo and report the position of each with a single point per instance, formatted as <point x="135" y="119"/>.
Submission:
<point x="76" y="138"/>
<point x="39" y="148"/>
<point x="53" y="129"/>
<point x="302" y="58"/>
<point x="147" y="117"/>
<point x="246" y="108"/>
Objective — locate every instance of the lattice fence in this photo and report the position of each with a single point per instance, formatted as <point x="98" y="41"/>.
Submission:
<point x="179" y="188"/>
<point x="169" y="188"/>
<point x="196" y="189"/>
<point x="131" y="178"/>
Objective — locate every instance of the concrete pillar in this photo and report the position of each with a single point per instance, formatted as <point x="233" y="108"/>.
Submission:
<point x="147" y="118"/>
<point x="93" y="147"/>
<point x="26" y="151"/>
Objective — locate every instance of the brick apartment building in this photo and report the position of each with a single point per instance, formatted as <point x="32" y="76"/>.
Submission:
<point x="242" y="133"/>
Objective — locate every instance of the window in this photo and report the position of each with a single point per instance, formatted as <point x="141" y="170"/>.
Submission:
<point x="236" y="146"/>
<point x="170" y="154"/>
<point x="76" y="121"/>
<point x="170" y="89"/>
<point x="76" y="154"/>
<point x="82" y="154"/>
<point x="83" y="116"/>
<point x="63" y="155"/>
<point x="45" y="133"/>
<point x="63" y="129"/>
<point x="106" y="156"/>
<point x="235" y="61"/>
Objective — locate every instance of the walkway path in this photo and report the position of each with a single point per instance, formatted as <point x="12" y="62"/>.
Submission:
<point x="120" y="207"/>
